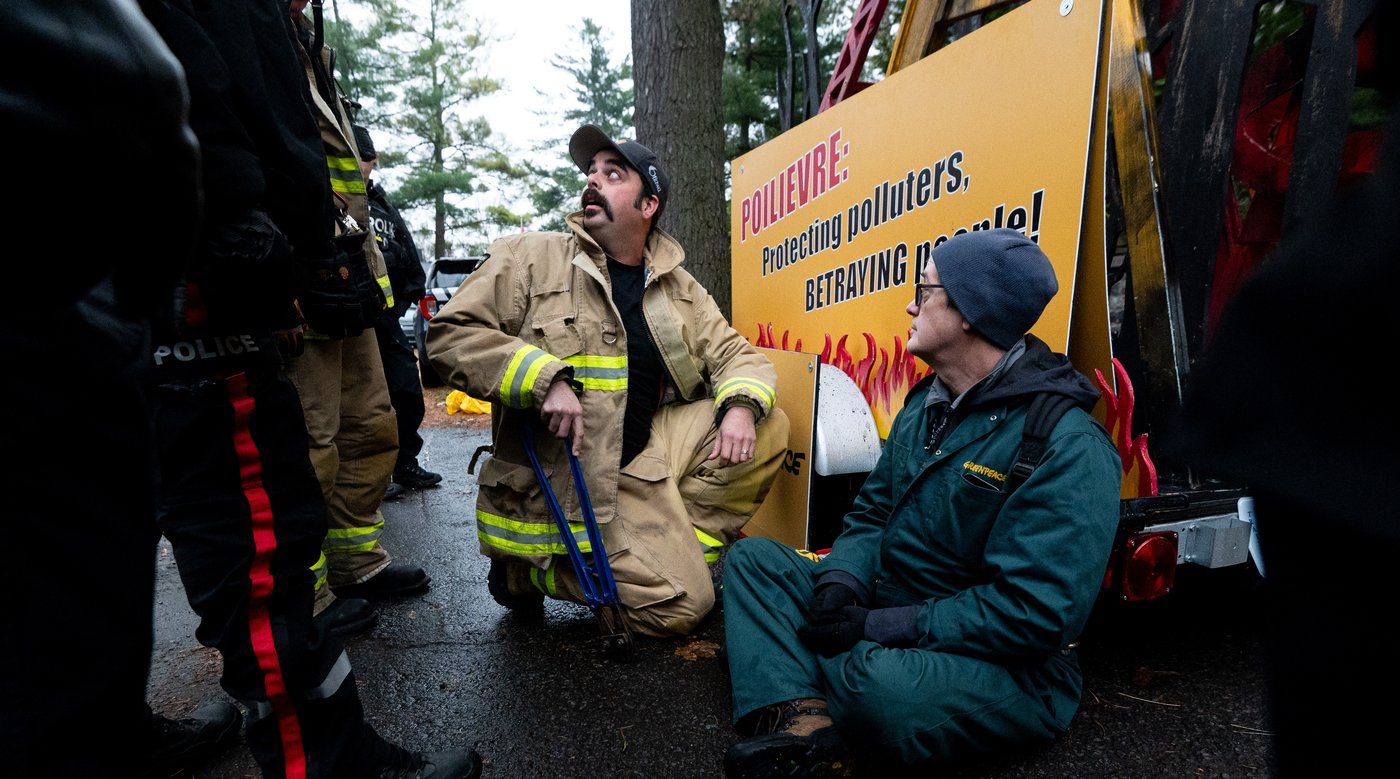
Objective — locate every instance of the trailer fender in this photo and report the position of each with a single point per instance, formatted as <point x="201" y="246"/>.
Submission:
<point x="846" y="438"/>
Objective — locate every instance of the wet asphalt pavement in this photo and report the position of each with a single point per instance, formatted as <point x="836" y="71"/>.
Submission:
<point x="1172" y="690"/>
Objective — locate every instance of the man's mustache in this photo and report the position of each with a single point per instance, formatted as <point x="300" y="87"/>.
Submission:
<point x="592" y="198"/>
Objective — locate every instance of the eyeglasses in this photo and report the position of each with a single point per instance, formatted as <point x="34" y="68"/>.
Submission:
<point x="919" y="293"/>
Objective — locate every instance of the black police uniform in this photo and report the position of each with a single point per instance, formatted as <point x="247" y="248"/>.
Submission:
<point x="238" y="497"/>
<point x="407" y="279"/>
<point x="92" y="116"/>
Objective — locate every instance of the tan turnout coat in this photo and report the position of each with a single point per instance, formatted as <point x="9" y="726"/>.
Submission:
<point x="541" y="303"/>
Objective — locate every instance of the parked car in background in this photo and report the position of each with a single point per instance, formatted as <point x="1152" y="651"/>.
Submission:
<point x="445" y="274"/>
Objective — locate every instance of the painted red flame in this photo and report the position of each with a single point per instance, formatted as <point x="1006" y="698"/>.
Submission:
<point x="1132" y="451"/>
<point x="880" y="376"/>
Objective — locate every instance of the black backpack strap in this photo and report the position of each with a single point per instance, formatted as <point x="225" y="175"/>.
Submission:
<point x="1045" y="412"/>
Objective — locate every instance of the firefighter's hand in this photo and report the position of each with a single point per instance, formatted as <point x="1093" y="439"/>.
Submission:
<point x="562" y="412"/>
<point x="736" y="438"/>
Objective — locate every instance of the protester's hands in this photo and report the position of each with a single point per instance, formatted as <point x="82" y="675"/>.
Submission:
<point x="562" y="412"/>
<point x="836" y="632"/>
<point x="829" y="599"/>
<point x="736" y="438"/>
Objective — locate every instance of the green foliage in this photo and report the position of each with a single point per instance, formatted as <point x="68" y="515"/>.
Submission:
<point x="600" y="92"/>
<point x="416" y="69"/>
<point x="879" y="58"/>
<point x="757" y="60"/>
<point x="1276" y="20"/>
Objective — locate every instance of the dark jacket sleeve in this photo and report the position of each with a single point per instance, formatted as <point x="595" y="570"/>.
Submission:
<point x="1045" y="558"/>
<point x="270" y="95"/>
<point x="91" y="98"/>
<point x="406" y="266"/>
<point x="229" y="166"/>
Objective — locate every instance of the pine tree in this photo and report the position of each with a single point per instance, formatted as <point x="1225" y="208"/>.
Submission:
<point x="417" y="69"/>
<point x="601" y="94"/>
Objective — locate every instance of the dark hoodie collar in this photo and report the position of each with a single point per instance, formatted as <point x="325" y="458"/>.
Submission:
<point x="939" y="393"/>
<point x="1039" y="370"/>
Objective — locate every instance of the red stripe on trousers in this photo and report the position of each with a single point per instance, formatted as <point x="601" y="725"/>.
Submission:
<point x="260" y="576"/>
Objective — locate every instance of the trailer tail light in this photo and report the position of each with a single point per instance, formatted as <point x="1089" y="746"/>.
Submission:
<point x="1149" y="565"/>
<point x="427" y="307"/>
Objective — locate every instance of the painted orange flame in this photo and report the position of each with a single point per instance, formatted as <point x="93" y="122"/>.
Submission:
<point x="1139" y="472"/>
<point x="882" y="379"/>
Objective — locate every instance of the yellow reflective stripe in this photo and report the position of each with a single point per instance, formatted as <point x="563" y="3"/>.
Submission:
<point x="515" y="547"/>
<point x="543" y="580"/>
<point x="386" y="288"/>
<point x="352" y="532"/>
<point x="520" y="526"/>
<point x="531" y="374"/>
<point x="516" y="386"/>
<point x="590" y="383"/>
<point x="348" y="187"/>
<point x="597" y="361"/>
<point x="526" y="538"/>
<point x="712" y="545"/>
<point x="345" y="175"/>
<point x="600" y="372"/>
<point x="365" y="547"/>
<point x="764" y="392"/>
<point x="319" y="569"/>
<point x="707" y="539"/>
<point x="346" y="540"/>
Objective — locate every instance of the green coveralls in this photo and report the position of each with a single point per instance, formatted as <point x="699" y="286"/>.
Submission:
<point x="1005" y="582"/>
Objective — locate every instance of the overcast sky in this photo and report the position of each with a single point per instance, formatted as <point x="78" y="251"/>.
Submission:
<point x="527" y="35"/>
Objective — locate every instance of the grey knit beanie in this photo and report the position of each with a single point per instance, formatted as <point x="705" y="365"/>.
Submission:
<point x="999" y="280"/>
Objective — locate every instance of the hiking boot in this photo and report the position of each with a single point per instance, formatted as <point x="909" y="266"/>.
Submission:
<point x="412" y="476"/>
<point x="797" y="740"/>
<point x="458" y="764"/>
<point x="527" y="604"/>
<point x="397" y="579"/>
<point x="347" y="617"/>
<point x="394" y="490"/>
<point x="179" y="746"/>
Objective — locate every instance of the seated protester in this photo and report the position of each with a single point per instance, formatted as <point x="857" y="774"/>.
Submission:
<point x="941" y="624"/>
<point x="597" y="341"/>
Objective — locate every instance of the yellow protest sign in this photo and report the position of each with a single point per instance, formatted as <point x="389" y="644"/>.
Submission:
<point x="783" y="515"/>
<point x="832" y="221"/>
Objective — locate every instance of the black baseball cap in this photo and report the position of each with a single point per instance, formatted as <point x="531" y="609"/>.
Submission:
<point x="588" y="140"/>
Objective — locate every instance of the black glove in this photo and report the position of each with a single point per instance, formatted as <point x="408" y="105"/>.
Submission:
<point x="835" y="632"/>
<point x="829" y="598"/>
<point x="339" y="296"/>
<point x="243" y="276"/>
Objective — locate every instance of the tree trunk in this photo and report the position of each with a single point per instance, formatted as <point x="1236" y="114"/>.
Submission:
<point x="785" y="75"/>
<point x="677" y="61"/>
<point x="812" y="79"/>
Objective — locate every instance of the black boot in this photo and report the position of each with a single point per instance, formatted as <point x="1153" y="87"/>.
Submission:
<point x="529" y="604"/>
<point x="347" y="617"/>
<point x="179" y="746"/>
<point x="413" y="477"/>
<point x="798" y="741"/>
<point x="458" y="764"/>
<point x="396" y="579"/>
